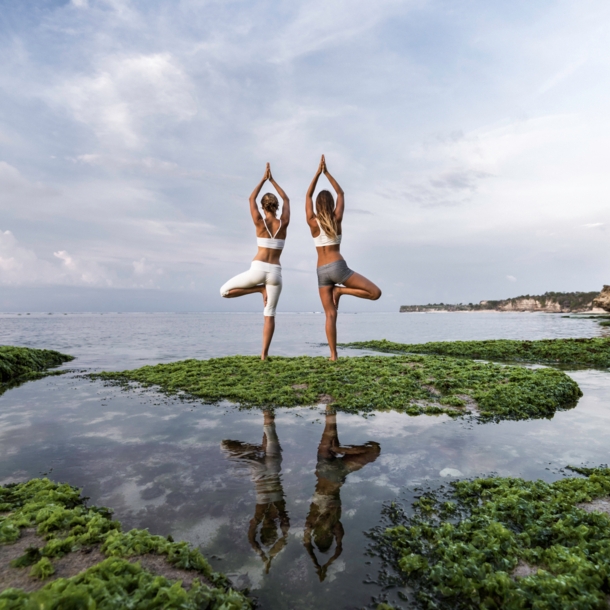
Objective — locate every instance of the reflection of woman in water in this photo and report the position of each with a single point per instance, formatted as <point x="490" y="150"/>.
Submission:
<point x="265" y="462"/>
<point x="325" y="225"/>
<point x="323" y="524"/>
<point x="265" y="273"/>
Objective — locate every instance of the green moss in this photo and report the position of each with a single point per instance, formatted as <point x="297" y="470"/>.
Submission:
<point x="43" y="569"/>
<point x="605" y="323"/>
<point x="413" y="384"/>
<point x="31" y="556"/>
<point x="116" y="583"/>
<point x="460" y="548"/>
<point x="583" y="352"/>
<point x="67" y="524"/>
<point x="19" y="364"/>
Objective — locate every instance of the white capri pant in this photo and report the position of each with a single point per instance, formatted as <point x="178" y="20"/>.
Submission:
<point x="259" y="273"/>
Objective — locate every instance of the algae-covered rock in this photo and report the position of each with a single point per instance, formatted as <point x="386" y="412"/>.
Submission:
<point x="594" y="352"/>
<point x="413" y="384"/>
<point x="501" y="543"/>
<point x="603" y="299"/>
<point x="77" y="556"/>
<point x="18" y="362"/>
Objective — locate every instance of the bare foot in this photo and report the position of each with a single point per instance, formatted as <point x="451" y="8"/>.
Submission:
<point x="264" y="293"/>
<point x="336" y="296"/>
<point x="333" y="358"/>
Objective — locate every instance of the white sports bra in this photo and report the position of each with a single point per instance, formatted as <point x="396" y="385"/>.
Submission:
<point x="324" y="240"/>
<point x="271" y="242"/>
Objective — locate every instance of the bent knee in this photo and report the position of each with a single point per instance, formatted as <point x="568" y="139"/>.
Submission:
<point x="375" y="294"/>
<point x="269" y="311"/>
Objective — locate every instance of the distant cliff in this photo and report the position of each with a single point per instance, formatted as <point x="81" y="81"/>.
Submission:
<point x="603" y="299"/>
<point x="551" y="302"/>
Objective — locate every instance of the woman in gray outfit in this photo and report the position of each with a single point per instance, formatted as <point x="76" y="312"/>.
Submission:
<point x="335" y="278"/>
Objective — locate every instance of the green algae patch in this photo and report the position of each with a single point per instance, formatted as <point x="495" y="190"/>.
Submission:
<point x="412" y="384"/>
<point x="23" y="363"/>
<point x="594" y="352"/>
<point x="62" y="526"/>
<point x="501" y="543"/>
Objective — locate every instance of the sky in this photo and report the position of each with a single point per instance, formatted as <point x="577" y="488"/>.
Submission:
<point x="470" y="137"/>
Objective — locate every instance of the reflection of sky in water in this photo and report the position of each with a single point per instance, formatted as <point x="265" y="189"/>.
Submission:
<point x="159" y="463"/>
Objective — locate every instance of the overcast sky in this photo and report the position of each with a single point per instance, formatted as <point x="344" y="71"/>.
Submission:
<point x="470" y="136"/>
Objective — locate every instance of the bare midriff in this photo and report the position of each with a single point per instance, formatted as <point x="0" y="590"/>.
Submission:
<point x="328" y="254"/>
<point x="268" y="255"/>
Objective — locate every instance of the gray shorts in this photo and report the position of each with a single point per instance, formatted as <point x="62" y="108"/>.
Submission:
<point x="333" y="273"/>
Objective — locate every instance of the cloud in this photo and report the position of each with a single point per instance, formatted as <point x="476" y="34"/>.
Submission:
<point x="150" y="166"/>
<point x="14" y="184"/>
<point x="352" y="210"/>
<point x="594" y="225"/>
<point x="22" y="267"/>
<point x="511" y="278"/>
<point x="448" y="188"/>
<point x="318" y="25"/>
<point x="125" y="93"/>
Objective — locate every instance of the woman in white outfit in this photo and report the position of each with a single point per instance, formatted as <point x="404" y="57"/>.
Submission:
<point x="265" y="273"/>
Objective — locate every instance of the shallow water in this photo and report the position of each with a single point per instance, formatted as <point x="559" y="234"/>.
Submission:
<point x="263" y="495"/>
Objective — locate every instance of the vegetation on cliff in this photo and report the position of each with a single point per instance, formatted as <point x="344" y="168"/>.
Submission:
<point x="19" y="362"/>
<point x="118" y="577"/>
<point x="413" y="384"/>
<point x="549" y="301"/>
<point x="593" y="352"/>
<point x="502" y="543"/>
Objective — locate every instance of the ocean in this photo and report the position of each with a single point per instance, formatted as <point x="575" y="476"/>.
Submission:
<point x="203" y="473"/>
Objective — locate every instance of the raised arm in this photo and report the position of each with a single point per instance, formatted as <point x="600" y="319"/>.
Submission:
<point x="309" y="213"/>
<point x="340" y="207"/>
<point x="285" y="217"/>
<point x="256" y="215"/>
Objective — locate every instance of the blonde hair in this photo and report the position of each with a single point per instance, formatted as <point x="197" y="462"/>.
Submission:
<point x="325" y="212"/>
<point x="269" y="203"/>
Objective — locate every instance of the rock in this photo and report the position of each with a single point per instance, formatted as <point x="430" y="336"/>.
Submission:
<point x="603" y="299"/>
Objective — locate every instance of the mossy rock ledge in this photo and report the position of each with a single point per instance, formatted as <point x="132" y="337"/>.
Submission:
<point x="500" y="543"/>
<point x="589" y="352"/>
<point x="412" y="384"/>
<point x="56" y="552"/>
<point x="23" y="363"/>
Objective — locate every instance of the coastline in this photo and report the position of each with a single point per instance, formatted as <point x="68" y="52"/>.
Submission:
<point x="594" y="311"/>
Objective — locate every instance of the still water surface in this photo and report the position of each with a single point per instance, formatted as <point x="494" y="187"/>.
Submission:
<point x="279" y="501"/>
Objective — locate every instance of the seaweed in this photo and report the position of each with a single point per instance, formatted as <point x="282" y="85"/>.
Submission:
<point x="20" y="364"/>
<point x="43" y="569"/>
<point x="66" y="524"/>
<point x="593" y="352"/>
<point x="413" y="384"/>
<point x="500" y="543"/>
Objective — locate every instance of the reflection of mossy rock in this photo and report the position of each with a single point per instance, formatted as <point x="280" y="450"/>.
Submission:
<point x="413" y="384"/>
<point x="593" y="352"/>
<point x="603" y="300"/>
<point x="502" y="543"/>
<point x="16" y="362"/>
<point x="102" y="566"/>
